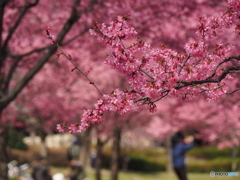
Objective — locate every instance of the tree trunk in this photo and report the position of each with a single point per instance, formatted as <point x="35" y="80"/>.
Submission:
<point x="33" y="137"/>
<point x="85" y="139"/>
<point x="3" y="155"/>
<point x="98" y="159"/>
<point x="115" y="153"/>
<point x="43" y="147"/>
<point x="168" y="146"/>
<point x="234" y="159"/>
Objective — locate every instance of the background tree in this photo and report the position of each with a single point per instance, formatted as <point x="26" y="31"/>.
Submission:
<point x="14" y="54"/>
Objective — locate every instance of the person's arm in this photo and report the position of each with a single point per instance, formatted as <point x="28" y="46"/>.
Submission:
<point x="188" y="139"/>
<point x="188" y="146"/>
<point x="188" y="143"/>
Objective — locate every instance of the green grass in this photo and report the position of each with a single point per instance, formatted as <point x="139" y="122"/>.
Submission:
<point x="201" y="159"/>
<point x="147" y="176"/>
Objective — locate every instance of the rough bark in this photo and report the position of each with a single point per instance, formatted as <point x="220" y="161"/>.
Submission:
<point x="84" y="142"/>
<point x="3" y="155"/>
<point x="43" y="147"/>
<point x="98" y="159"/>
<point x="115" y="153"/>
<point x="33" y="137"/>
<point x="234" y="159"/>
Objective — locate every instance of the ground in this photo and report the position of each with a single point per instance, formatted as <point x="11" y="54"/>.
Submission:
<point x="149" y="176"/>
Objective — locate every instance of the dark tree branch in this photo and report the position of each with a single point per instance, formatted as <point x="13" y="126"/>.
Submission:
<point x="10" y="74"/>
<point x="141" y="99"/>
<point x="18" y="21"/>
<point x="5" y="100"/>
<point x="181" y="84"/>
<point x="228" y="70"/>
<point x="17" y="59"/>
<point x="74" y="37"/>
<point x="4" y="81"/>
<point x="71" y="20"/>
<point x="238" y="89"/>
<point x="234" y="72"/>
<point x="3" y="4"/>
<point x="184" y="63"/>
<point x="3" y="53"/>
<point x="38" y="50"/>
<point x="140" y="69"/>
<point x="85" y="10"/>
<point x="164" y="94"/>
<point x="225" y="61"/>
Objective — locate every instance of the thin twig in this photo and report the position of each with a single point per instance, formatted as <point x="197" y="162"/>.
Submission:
<point x="181" y="84"/>
<point x="141" y="99"/>
<point x="165" y="93"/>
<point x="224" y="61"/>
<point x="75" y="66"/>
<point x="146" y="73"/>
<point x="203" y="90"/>
<point x="238" y="89"/>
<point x="188" y="57"/>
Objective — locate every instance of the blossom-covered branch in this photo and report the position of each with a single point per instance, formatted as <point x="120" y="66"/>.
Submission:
<point x="155" y="73"/>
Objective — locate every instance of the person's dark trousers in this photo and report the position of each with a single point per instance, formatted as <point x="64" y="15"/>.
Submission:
<point x="181" y="172"/>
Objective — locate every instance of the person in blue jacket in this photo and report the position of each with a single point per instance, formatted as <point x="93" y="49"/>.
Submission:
<point x="179" y="147"/>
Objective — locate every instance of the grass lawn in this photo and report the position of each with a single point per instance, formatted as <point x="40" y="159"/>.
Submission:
<point x="148" y="176"/>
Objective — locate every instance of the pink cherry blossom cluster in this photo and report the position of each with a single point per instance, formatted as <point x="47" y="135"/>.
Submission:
<point x="116" y="101"/>
<point x="154" y="73"/>
<point x="211" y="27"/>
<point x="118" y="29"/>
